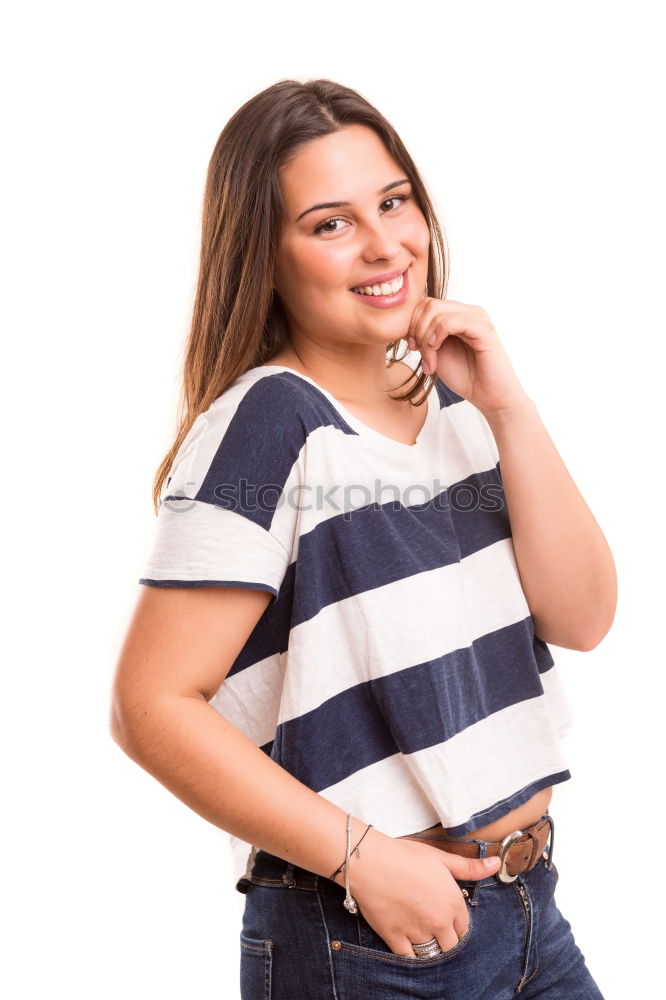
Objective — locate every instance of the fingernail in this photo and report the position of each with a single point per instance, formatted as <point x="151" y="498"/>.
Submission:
<point x="490" y="862"/>
<point x="424" y="365"/>
<point x="433" y="339"/>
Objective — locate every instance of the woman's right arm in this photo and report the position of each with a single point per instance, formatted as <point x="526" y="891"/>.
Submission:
<point x="180" y="645"/>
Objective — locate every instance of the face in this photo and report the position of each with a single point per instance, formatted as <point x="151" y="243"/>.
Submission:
<point x="325" y="252"/>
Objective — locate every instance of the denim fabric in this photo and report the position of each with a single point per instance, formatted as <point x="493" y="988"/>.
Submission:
<point x="298" y="942"/>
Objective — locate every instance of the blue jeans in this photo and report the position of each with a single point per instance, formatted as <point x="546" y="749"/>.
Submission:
<point x="298" y="942"/>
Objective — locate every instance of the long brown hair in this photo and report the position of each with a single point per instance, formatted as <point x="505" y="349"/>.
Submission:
<point x="238" y="321"/>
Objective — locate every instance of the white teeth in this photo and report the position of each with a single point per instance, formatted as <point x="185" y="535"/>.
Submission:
<point x="386" y="288"/>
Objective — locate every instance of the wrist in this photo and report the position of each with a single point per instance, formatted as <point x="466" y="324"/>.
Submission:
<point x="515" y="410"/>
<point x="363" y="866"/>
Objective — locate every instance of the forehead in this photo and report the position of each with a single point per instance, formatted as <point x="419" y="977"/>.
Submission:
<point x="338" y="166"/>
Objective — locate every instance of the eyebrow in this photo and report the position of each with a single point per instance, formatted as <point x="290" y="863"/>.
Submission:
<point x="345" y="204"/>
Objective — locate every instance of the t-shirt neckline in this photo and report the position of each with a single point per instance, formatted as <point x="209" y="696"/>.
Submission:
<point x="388" y="444"/>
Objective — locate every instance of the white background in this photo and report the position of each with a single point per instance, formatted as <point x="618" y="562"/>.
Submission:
<point x="539" y="131"/>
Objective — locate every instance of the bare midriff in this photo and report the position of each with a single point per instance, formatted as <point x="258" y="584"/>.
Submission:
<point x="526" y="814"/>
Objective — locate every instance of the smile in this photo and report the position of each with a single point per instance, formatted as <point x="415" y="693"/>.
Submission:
<point x="386" y="287"/>
<point x="389" y="293"/>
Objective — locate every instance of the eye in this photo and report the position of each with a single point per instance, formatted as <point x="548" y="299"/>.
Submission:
<point x="320" y="227"/>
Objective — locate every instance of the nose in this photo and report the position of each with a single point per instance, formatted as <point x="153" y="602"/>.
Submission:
<point x="379" y="243"/>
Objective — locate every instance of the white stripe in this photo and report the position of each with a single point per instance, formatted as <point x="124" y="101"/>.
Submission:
<point x="195" y="540"/>
<point x="385" y="794"/>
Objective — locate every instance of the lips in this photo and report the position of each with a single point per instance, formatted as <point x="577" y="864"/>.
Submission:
<point x="379" y="279"/>
<point x="389" y="301"/>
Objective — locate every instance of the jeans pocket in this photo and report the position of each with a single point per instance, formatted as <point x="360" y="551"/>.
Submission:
<point x="256" y="968"/>
<point x="374" y="947"/>
<point x="372" y="970"/>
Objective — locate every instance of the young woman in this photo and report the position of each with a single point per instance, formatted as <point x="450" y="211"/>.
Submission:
<point x="339" y="650"/>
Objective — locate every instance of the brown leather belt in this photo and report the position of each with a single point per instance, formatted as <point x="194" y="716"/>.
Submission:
<point x="520" y="850"/>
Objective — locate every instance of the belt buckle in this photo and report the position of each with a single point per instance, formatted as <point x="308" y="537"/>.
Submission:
<point x="506" y="844"/>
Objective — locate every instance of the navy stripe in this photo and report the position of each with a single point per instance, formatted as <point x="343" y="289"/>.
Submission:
<point x="446" y="395"/>
<point x="414" y="708"/>
<point x="208" y="583"/>
<point x="252" y="463"/>
<point x="271" y="633"/>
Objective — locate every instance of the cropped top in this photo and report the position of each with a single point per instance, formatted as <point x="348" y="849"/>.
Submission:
<point x="396" y="670"/>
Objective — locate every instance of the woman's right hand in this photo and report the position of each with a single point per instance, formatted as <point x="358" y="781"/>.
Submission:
<point x="407" y="891"/>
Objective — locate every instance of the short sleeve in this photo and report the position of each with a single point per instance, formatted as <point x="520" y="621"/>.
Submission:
<point x="225" y="518"/>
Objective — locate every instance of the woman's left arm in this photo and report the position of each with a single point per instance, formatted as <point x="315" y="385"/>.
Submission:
<point x="566" y="566"/>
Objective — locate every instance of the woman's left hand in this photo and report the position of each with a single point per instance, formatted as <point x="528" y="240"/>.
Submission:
<point x="460" y="343"/>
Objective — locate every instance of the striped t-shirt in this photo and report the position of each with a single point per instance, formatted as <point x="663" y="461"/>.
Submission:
<point x="395" y="670"/>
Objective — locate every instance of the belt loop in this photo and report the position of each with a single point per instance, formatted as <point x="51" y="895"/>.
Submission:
<point x="288" y="877"/>
<point x="475" y="891"/>
<point x="535" y="850"/>
<point x="550" y="819"/>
